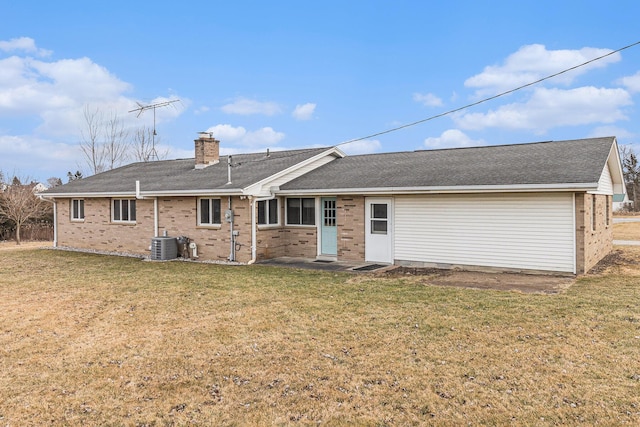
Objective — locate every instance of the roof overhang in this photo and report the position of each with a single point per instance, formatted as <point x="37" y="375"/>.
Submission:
<point x="528" y="188"/>
<point x="143" y="194"/>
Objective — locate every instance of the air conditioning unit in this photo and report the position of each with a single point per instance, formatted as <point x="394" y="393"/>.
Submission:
<point x="164" y="248"/>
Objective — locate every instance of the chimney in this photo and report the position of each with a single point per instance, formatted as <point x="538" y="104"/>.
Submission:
<point x="207" y="150"/>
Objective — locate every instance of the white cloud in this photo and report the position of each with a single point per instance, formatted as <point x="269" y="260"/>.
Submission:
<point x="25" y="44"/>
<point x="245" y="107"/>
<point x="227" y="132"/>
<point x="25" y="152"/>
<point x="532" y="62"/>
<point x="263" y="137"/>
<point x="610" y="131"/>
<point x="201" y="110"/>
<point x="366" y="146"/>
<point x="57" y="91"/>
<point x="452" y="138"/>
<point x="304" y="111"/>
<point x="550" y="108"/>
<point x="632" y="83"/>
<point x="427" y="99"/>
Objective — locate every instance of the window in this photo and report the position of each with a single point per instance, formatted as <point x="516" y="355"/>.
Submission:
<point x="77" y="209"/>
<point x="608" y="201"/>
<point x="123" y="210"/>
<point x="379" y="218"/>
<point x="268" y="212"/>
<point x="301" y="211"/>
<point x="209" y="212"/>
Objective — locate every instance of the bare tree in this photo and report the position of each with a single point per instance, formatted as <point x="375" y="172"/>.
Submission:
<point x="143" y="146"/>
<point x="631" y="172"/>
<point x="117" y="142"/>
<point x="19" y="204"/>
<point x="54" y="182"/>
<point x="91" y="146"/>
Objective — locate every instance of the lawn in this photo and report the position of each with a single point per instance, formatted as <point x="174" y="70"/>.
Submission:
<point x="99" y="340"/>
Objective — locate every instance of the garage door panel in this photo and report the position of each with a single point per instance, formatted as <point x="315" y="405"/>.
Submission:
<point x="532" y="231"/>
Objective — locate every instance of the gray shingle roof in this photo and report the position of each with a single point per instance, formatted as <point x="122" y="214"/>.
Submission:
<point x="180" y="175"/>
<point x="543" y="163"/>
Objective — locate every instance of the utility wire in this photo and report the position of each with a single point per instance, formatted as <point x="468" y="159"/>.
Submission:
<point x="473" y="104"/>
<point x="487" y="99"/>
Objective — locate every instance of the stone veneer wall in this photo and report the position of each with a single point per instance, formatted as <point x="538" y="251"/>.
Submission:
<point x="592" y="244"/>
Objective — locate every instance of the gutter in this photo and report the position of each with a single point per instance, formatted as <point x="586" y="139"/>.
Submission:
<point x="531" y="188"/>
<point x="254" y="225"/>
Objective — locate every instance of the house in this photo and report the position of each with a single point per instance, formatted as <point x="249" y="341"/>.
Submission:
<point x="543" y="206"/>
<point x="621" y="202"/>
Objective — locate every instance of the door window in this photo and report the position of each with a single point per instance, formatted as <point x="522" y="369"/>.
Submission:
<point x="379" y="218"/>
<point x="329" y="215"/>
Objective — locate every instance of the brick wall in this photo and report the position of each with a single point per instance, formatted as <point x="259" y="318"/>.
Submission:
<point x="177" y="216"/>
<point x="594" y="234"/>
<point x="98" y="232"/>
<point x="279" y="241"/>
<point x="351" y="227"/>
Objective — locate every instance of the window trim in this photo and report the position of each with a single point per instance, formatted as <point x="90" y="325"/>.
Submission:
<point x="267" y="204"/>
<point x="212" y="218"/>
<point x="72" y="210"/>
<point x="130" y="202"/>
<point x="301" y="224"/>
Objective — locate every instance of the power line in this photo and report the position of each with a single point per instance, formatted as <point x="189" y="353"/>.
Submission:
<point x="473" y="104"/>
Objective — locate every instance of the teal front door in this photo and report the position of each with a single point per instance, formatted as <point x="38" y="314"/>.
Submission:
<point x="328" y="227"/>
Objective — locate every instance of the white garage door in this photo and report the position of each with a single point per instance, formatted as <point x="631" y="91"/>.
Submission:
<point x="534" y="231"/>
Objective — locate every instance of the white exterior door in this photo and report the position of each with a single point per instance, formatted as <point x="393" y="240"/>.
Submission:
<point x="379" y="230"/>
<point x="519" y="231"/>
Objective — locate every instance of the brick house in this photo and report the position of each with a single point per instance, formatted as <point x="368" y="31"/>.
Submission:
<point x="543" y="206"/>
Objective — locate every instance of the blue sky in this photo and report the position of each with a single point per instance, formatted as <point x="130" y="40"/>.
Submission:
<point x="294" y="74"/>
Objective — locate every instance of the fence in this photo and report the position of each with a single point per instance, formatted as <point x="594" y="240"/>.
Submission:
<point x="37" y="232"/>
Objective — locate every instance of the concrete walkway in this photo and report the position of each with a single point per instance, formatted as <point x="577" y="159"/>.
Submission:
<point x="622" y="219"/>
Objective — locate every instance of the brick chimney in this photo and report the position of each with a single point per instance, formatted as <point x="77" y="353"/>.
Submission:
<point x="207" y="150"/>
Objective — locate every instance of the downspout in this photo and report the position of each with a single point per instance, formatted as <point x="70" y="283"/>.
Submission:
<point x="254" y="225"/>
<point x="232" y="253"/>
<point x="155" y="217"/>
<point x="55" y="218"/>
<point x="139" y="196"/>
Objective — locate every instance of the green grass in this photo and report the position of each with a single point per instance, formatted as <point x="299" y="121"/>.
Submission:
<point x="98" y="340"/>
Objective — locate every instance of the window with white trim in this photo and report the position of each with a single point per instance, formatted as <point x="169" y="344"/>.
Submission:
<point x="123" y="210"/>
<point x="301" y="211"/>
<point x="77" y="209"/>
<point x="209" y="212"/>
<point x="268" y="212"/>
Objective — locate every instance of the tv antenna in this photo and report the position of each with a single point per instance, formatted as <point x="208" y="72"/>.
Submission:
<point x="142" y="108"/>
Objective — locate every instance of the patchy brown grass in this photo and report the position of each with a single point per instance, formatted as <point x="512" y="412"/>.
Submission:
<point x="626" y="231"/>
<point x="97" y="340"/>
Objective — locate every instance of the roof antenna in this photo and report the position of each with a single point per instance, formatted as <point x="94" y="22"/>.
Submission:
<point x="141" y="108"/>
